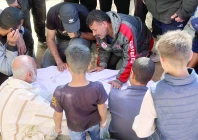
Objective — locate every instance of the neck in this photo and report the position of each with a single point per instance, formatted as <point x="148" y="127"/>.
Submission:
<point x="135" y="83"/>
<point x="78" y="80"/>
<point x="2" y="33"/>
<point x="179" y="72"/>
<point x="110" y="30"/>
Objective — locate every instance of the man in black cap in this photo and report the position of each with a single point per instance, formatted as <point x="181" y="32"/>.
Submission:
<point x="65" y="21"/>
<point x="14" y="40"/>
<point x="38" y="8"/>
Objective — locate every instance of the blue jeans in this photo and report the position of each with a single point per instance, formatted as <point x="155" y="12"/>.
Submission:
<point x="48" y="59"/>
<point x="160" y="28"/>
<point x="94" y="132"/>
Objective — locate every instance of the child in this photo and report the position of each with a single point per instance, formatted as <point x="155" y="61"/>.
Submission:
<point x="83" y="101"/>
<point x="169" y="109"/>
<point x="125" y="104"/>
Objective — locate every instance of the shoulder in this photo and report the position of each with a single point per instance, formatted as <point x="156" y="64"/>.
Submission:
<point x="97" y="84"/>
<point x="59" y="89"/>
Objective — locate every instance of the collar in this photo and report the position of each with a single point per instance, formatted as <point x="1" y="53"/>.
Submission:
<point x="16" y="83"/>
<point x="181" y="80"/>
<point x="137" y="87"/>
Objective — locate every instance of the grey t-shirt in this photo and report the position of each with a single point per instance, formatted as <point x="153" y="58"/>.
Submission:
<point x="79" y="104"/>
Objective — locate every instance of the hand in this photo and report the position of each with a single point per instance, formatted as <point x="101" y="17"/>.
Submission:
<point x="115" y="84"/>
<point x="15" y="4"/>
<point x="96" y="69"/>
<point x="103" y="124"/>
<point x="13" y="37"/>
<point x="178" y="19"/>
<point x="58" y="130"/>
<point x="72" y="35"/>
<point x="61" y="66"/>
<point x="21" y="46"/>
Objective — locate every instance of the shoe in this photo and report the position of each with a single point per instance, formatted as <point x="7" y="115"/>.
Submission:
<point x="42" y="44"/>
<point x="155" y="57"/>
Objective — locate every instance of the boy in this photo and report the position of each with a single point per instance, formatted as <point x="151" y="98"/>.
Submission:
<point x="169" y="108"/>
<point x="125" y="104"/>
<point x="83" y="101"/>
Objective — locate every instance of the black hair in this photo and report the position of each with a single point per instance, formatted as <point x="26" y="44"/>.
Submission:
<point x="98" y="16"/>
<point x="143" y="69"/>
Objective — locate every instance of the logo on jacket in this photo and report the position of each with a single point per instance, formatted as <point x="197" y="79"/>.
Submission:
<point x="132" y="51"/>
<point x="104" y="45"/>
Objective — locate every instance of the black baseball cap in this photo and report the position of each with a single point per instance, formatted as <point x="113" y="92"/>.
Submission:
<point x="11" y="17"/>
<point x="70" y="19"/>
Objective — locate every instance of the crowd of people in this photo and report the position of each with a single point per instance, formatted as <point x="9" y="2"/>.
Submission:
<point x="164" y="111"/>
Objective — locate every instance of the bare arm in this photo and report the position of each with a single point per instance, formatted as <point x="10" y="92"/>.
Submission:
<point x="102" y="109"/>
<point x="53" y="49"/>
<point x="58" y="120"/>
<point x="87" y="35"/>
<point x="84" y="35"/>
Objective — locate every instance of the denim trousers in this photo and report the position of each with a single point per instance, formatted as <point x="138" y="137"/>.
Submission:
<point x="160" y="28"/>
<point x="48" y="59"/>
<point x="94" y="132"/>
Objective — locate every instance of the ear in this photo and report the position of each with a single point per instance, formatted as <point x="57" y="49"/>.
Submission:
<point x="105" y="23"/>
<point x="132" y="74"/>
<point x="89" y="66"/>
<point x="29" y="77"/>
<point x="191" y="55"/>
<point x="162" y="59"/>
<point x="68" y="68"/>
<point x="59" y="16"/>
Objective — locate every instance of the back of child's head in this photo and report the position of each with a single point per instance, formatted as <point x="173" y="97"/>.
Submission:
<point x="78" y="58"/>
<point x="143" y="69"/>
<point x="175" y="47"/>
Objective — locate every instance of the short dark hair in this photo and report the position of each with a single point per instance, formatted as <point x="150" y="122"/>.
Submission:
<point x="143" y="69"/>
<point x="98" y="16"/>
<point x="78" y="57"/>
<point x="11" y="17"/>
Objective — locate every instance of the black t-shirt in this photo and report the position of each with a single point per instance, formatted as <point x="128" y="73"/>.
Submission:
<point x="80" y="104"/>
<point x="55" y="23"/>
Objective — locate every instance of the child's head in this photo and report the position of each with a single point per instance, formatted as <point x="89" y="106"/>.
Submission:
<point x="78" y="58"/>
<point x="174" y="48"/>
<point x="142" y="71"/>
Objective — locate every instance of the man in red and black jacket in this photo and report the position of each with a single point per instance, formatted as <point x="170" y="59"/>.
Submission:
<point x="119" y="36"/>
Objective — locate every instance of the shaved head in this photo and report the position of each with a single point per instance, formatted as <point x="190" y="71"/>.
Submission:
<point x="24" y="68"/>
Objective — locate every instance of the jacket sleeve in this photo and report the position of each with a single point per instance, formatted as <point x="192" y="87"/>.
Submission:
<point x="7" y="55"/>
<point x="129" y="52"/>
<point x="187" y="9"/>
<point x="103" y="56"/>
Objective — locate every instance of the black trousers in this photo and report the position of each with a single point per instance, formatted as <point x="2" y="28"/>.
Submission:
<point x="90" y="4"/>
<point x="38" y="8"/>
<point x="29" y="42"/>
<point x="121" y="5"/>
<point x="140" y="10"/>
<point x="113" y="60"/>
<point x="3" y="77"/>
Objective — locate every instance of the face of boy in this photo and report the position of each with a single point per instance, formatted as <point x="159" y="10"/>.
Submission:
<point x="99" y="29"/>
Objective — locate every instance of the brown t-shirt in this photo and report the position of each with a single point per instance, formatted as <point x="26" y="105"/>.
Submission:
<point x="80" y="104"/>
